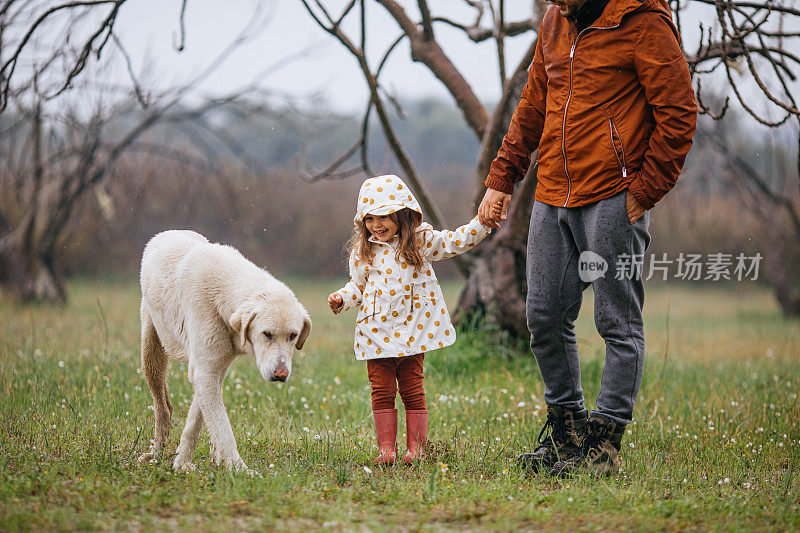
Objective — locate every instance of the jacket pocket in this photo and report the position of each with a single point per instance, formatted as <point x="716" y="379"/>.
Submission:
<point x="391" y="310"/>
<point x="616" y="143"/>
<point x="624" y="195"/>
<point x="370" y="308"/>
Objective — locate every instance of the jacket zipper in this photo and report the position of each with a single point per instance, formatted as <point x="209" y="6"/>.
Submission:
<point x="569" y="97"/>
<point x="613" y="128"/>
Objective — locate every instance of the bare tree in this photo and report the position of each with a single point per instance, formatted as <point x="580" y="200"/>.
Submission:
<point x="755" y="37"/>
<point x="53" y="153"/>
<point x="771" y="196"/>
<point x="52" y="160"/>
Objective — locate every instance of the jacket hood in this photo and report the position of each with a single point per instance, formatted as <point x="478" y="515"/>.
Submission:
<point x="383" y="195"/>
<point x="617" y="9"/>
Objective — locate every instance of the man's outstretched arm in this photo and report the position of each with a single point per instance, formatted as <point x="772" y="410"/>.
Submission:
<point x="524" y="134"/>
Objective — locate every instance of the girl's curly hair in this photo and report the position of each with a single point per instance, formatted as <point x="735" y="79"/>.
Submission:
<point x="409" y="250"/>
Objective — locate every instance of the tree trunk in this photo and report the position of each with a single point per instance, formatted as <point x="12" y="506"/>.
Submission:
<point x="497" y="286"/>
<point x="30" y="272"/>
<point x="781" y="257"/>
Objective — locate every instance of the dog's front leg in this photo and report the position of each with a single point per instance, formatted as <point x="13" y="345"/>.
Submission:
<point x="194" y="423"/>
<point x="208" y="390"/>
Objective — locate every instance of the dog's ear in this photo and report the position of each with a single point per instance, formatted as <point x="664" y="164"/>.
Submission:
<point x="301" y="339"/>
<point x="240" y="321"/>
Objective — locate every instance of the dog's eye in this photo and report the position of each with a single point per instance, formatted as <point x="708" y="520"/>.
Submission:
<point x="268" y="335"/>
<point x="292" y="336"/>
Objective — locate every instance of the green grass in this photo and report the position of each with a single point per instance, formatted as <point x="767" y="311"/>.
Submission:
<point x="715" y="443"/>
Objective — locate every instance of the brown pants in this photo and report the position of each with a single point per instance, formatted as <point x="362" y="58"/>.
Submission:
<point x="392" y="373"/>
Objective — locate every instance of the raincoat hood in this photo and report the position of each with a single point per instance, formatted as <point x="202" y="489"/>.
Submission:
<point x="383" y="195"/>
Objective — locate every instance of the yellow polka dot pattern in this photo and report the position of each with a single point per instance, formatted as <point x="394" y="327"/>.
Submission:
<point x="401" y="309"/>
<point x="383" y="195"/>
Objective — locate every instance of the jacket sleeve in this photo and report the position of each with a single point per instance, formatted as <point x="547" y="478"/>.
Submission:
<point x="664" y="75"/>
<point x="446" y="243"/>
<point x="353" y="291"/>
<point x="524" y="131"/>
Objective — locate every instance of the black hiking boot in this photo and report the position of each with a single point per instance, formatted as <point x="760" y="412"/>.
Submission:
<point x="561" y="443"/>
<point x="601" y="440"/>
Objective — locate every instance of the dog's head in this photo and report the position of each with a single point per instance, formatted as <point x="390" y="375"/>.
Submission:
<point x="273" y="326"/>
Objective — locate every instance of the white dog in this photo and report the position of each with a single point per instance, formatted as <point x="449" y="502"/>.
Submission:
<point x="204" y="304"/>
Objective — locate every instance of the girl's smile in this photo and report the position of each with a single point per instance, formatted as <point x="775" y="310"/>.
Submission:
<point x="382" y="227"/>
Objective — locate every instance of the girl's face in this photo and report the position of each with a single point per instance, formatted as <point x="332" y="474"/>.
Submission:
<point x="382" y="227"/>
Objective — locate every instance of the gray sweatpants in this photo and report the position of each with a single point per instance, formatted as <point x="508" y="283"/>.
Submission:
<point x="561" y="264"/>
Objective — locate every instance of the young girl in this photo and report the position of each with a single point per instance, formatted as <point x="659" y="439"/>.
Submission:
<point x="402" y="313"/>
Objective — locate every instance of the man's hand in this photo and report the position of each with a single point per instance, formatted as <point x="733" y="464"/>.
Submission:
<point x="632" y="206"/>
<point x="485" y="213"/>
<point x="335" y="302"/>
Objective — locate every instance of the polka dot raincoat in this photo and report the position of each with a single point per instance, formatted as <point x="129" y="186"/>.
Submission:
<point x="401" y="311"/>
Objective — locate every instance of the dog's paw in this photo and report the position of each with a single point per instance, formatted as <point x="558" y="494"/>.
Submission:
<point x="150" y="457"/>
<point x="239" y="467"/>
<point x="183" y="465"/>
<point x="247" y="471"/>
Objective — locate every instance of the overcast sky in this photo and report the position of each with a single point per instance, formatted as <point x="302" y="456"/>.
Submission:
<point x="314" y="62"/>
<point x="149" y="29"/>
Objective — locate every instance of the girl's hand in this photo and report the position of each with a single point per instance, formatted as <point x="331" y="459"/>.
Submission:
<point x="485" y="214"/>
<point x="496" y="210"/>
<point x="335" y="302"/>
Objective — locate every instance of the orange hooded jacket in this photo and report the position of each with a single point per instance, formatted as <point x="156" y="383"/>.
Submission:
<point x="610" y="107"/>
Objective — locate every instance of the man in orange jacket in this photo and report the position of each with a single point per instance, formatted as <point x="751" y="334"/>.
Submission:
<point x="610" y="107"/>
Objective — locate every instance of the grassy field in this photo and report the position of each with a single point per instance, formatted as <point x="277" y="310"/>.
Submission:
<point x="715" y="443"/>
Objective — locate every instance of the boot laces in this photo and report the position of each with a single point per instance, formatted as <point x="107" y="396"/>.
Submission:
<point x="558" y="432"/>
<point x="595" y="433"/>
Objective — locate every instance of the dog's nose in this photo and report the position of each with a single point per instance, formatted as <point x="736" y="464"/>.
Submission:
<point x="281" y="373"/>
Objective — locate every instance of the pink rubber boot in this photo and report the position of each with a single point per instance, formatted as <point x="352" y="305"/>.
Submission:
<point x="416" y="435"/>
<point x="386" y="433"/>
